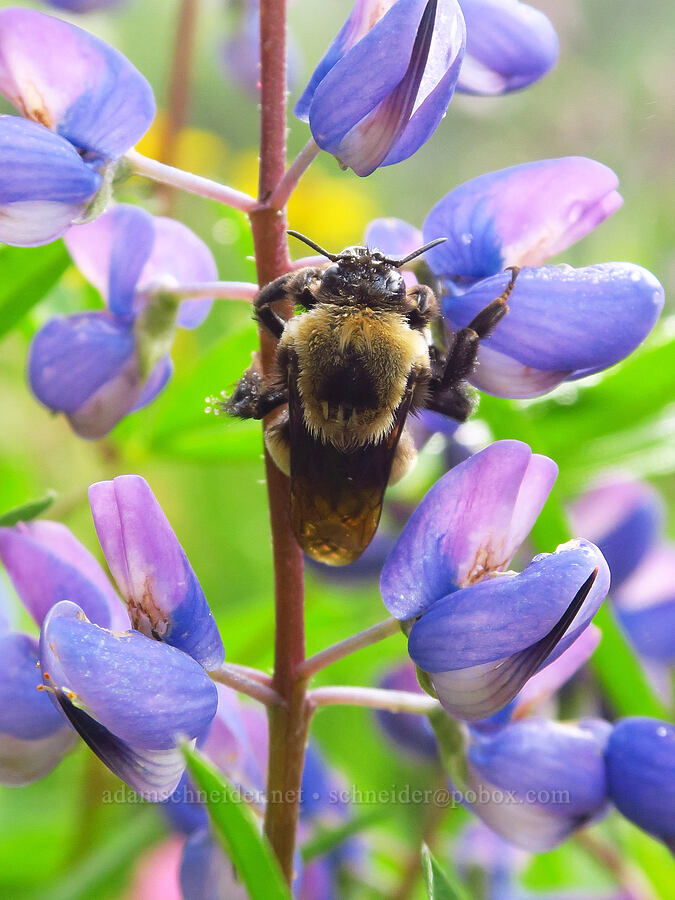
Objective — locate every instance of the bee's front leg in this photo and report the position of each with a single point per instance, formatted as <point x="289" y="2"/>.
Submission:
<point x="446" y="391"/>
<point x="252" y="398"/>
<point x="293" y="286"/>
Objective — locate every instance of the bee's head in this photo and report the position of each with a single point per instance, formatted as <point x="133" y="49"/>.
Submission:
<point x="364" y="275"/>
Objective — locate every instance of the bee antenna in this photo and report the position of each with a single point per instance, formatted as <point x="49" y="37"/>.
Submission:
<point x="306" y="240"/>
<point x="400" y="262"/>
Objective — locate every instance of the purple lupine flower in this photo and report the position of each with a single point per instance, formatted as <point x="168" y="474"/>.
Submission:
<point x="85" y="116"/>
<point x="640" y="761"/>
<point x="384" y="84"/>
<point x="483" y="631"/>
<point x="131" y="698"/>
<point x="411" y="734"/>
<point x="509" y="45"/>
<point x="536" y="694"/>
<point x="47" y="563"/>
<point x="96" y="367"/>
<point x="33" y="736"/>
<point x="624" y="517"/>
<point x="535" y="782"/>
<point x="556" y="328"/>
<point x="163" y="595"/>
<point x="205" y="871"/>
<point x="645" y="606"/>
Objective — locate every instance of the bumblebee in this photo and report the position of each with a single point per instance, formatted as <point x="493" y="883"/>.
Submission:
<point x="351" y="367"/>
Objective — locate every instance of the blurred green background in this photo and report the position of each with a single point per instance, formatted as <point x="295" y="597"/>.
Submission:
<point x="610" y="98"/>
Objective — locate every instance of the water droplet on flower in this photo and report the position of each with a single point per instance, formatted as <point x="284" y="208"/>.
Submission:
<point x="466" y="238"/>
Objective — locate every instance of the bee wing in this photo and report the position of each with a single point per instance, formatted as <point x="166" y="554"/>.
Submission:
<point x="336" y="497"/>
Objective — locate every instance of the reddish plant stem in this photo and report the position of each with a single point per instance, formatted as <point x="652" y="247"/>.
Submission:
<point x="288" y="725"/>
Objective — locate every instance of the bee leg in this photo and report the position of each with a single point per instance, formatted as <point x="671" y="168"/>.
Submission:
<point x="423" y="305"/>
<point x="252" y="399"/>
<point x="454" y="402"/>
<point x="293" y="286"/>
<point x="446" y="392"/>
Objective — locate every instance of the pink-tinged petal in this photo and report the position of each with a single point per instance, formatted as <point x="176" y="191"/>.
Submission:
<point x="500" y="375"/>
<point x="469" y="524"/>
<point x="112" y="251"/>
<point x="520" y="216"/>
<point x="536" y="782"/>
<point x="393" y="237"/>
<point x="46" y="564"/>
<point x="44" y="184"/>
<point x="624" y="517"/>
<point x="98" y="101"/>
<point x="179" y="256"/>
<point x="509" y="45"/>
<point x="130" y="698"/>
<point x="155" y="875"/>
<point x="163" y="594"/>
<point x="557" y="319"/>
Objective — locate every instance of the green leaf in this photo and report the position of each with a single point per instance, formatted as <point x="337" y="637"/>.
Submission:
<point x="439" y="885"/>
<point x="327" y="839"/>
<point x="27" y="511"/>
<point x="237" y="831"/>
<point x="91" y="877"/>
<point x="26" y="275"/>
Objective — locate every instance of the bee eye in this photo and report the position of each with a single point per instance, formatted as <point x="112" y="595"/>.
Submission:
<point x="395" y="283"/>
<point x="376" y="256"/>
<point x="331" y="278"/>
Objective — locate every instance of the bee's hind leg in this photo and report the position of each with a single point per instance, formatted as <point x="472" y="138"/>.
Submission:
<point x="447" y="394"/>
<point x="252" y="398"/>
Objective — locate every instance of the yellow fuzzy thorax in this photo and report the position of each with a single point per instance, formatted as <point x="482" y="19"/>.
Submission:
<point x="380" y="343"/>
